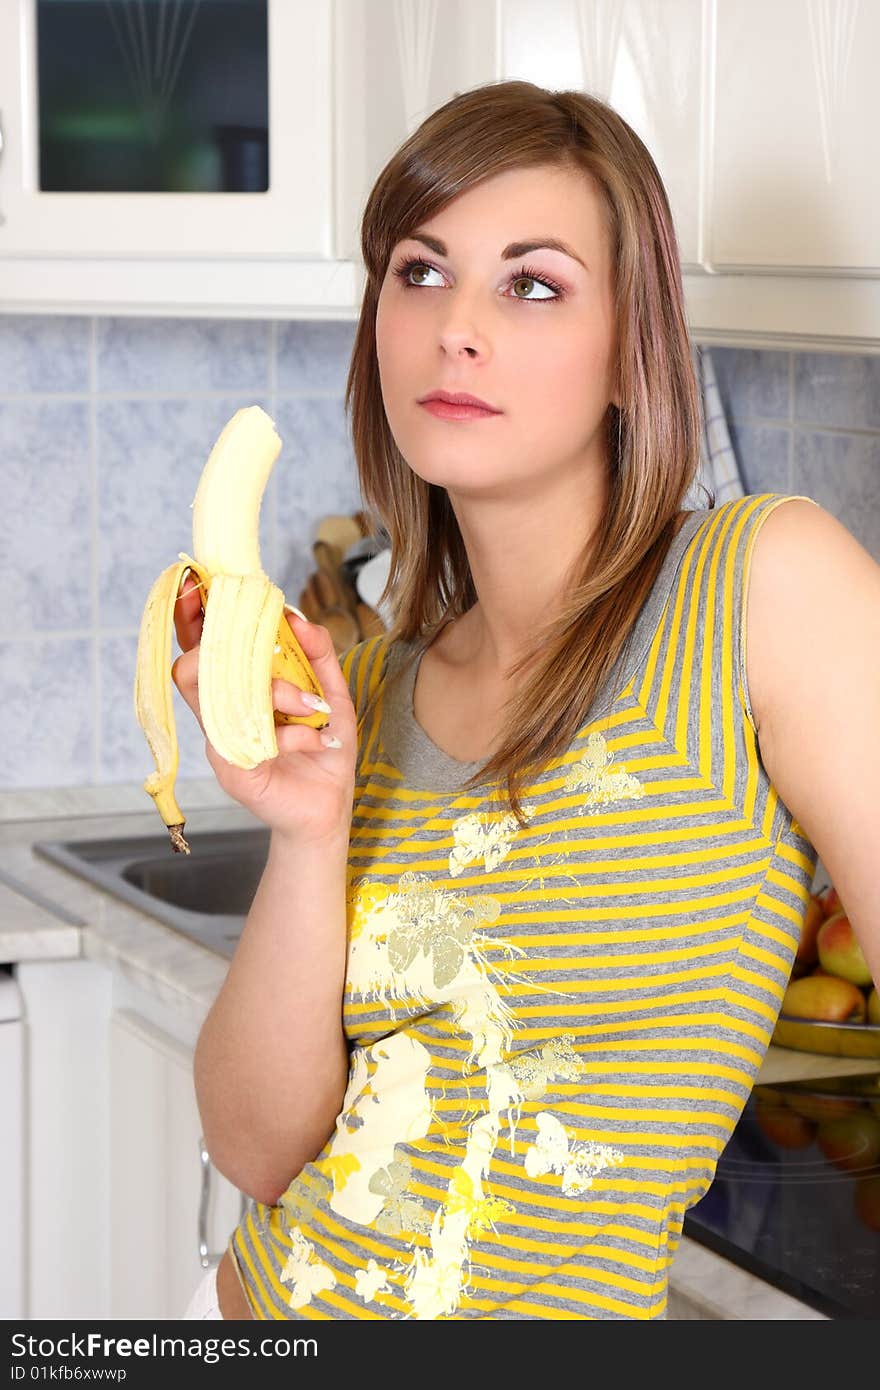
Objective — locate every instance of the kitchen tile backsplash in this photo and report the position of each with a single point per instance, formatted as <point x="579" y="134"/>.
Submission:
<point x="105" y="425"/>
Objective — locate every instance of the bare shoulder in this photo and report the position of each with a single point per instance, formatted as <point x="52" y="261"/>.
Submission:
<point x="805" y="567"/>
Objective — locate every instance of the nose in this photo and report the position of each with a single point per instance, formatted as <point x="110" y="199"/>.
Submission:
<point x="459" y="335"/>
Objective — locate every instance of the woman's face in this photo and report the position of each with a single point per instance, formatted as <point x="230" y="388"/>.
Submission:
<point x="467" y="318"/>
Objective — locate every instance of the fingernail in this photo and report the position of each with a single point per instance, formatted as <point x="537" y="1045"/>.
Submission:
<point x="290" y="608"/>
<point x="330" y="740"/>
<point x="315" y="702"/>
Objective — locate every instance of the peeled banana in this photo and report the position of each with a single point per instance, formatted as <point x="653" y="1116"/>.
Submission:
<point x="246" y="639"/>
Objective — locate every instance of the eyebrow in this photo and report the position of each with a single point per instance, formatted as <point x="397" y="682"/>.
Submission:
<point x="511" y="252"/>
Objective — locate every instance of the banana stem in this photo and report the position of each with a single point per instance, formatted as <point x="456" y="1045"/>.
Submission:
<point x="178" y="843"/>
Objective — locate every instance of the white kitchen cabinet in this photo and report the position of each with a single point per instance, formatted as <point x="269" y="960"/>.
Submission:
<point x="121" y="1202"/>
<point x="66" y="1006"/>
<point x="761" y="120"/>
<point x="13" y="1151"/>
<point x="395" y="62"/>
<point x="262" y="253"/>
<point x="646" y="60"/>
<point x="171" y="1212"/>
<point x="796" y="177"/>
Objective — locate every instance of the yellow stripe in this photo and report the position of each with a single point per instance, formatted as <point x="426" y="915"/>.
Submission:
<point x="634" y="815"/>
<point x="521" y="1305"/>
<point x="613" y="938"/>
<point x="609" y="961"/>
<point x="429" y="1040"/>
<point x="595" y="1252"/>
<point x="759" y="981"/>
<point x="748" y="1001"/>
<point x="574" y="1271"/>
<point x="576" y="986"/>
<point x="442" y="1022"/>
<point x="751" y="950"/>
<point x="643" y="1114"/>
<point x="265" y="1269"/>
<point x="584" y="881"/>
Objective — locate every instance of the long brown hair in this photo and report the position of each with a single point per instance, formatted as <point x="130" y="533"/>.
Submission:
<point x="653" y="440"/>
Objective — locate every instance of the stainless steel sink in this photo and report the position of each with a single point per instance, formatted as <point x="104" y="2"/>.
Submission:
<point x="206" y="895"/>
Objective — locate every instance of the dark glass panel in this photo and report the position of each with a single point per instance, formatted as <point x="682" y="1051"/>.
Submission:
<point x="153" y="96"/>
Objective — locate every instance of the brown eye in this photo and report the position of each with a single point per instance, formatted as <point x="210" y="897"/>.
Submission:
<point x="406" y="269"/>
<point x="531" y="281"/>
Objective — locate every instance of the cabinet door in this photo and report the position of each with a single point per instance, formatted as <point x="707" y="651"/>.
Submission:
<point x="395" y="63"/>
<point x="157" y="1176"/>
<point x="796" y="175"/>
<point x="644" y="57"/>
<point x="202" y="1207"/>
<point x="156" y="57"/>
<point x="66" y="1009"/>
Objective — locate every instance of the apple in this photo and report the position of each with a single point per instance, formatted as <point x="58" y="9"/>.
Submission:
<point x="851" y="1142"/>
<point x="824" y="998"/>
<point x="784" y="1127"/>
<point x="807" y="951"/>
<point x="839" y="951"/>
<point x="867" y="1201"/>
<point x="874" y="1007"/>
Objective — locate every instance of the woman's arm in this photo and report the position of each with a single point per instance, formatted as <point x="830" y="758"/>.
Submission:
<point x="814" y="654"/>
<point x="271" y="1063"/>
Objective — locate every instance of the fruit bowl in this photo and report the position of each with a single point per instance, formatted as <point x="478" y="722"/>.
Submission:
<point x="830" y="999"/>
<point x="832" y="1039"/>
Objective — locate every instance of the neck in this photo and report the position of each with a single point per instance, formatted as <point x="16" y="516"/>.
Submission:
<point x="521" y="553"/>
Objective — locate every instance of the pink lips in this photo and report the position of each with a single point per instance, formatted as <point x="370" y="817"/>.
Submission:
<point x="449" y="410"/>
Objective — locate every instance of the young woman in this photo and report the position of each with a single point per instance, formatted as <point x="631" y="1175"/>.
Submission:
<point x="521" y="940"/>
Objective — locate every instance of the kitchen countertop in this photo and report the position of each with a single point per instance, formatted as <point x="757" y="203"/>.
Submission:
<point x="47" y="913"/>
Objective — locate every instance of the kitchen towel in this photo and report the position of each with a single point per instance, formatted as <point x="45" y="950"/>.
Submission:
<point x="719" y="466"/>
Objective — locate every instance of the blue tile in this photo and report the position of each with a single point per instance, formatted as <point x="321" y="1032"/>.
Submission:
<point x="48" y="725"/>
<point x="842" y="473"/>
<point x="752" y="382"/>
<point x="762" y="453"/>
<point x="316" y="476"/>
<point x="314" y="355"/>
<point x="150" y="458"/>
<point x="837" y="389"/>
<point x="124" y="752"/>
<point x="181" y="355"/>
<point x="45" y="555"/>
<point x="43" y="352"/>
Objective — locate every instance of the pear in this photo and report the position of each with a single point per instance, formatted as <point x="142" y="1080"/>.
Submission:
<point x="839" y="951"/>
<point x="824" y="999"/>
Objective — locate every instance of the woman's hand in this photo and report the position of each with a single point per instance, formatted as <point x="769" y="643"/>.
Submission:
<point x="304" y="794"/>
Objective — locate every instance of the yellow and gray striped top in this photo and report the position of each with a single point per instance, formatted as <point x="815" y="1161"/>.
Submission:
<point x="553" y="1030"/>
